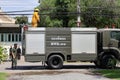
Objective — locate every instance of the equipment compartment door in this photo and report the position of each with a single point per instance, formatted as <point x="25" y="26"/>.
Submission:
<point x="83" y="43"/>
<point x="84" y="46"/>
<point x="35" y="43"/>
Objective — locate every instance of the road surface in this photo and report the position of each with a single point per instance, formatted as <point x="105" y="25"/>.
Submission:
<point x="36" y="71"/>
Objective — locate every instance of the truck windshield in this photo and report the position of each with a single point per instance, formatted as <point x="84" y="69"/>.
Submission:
<point x="115" y="35"/>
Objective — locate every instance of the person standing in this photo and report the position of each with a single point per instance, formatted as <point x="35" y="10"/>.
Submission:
<point x="35" y="18"/>
<point x="18" y="53"/>
<point x="10" y="53"/>
<point x="14" y="56"/>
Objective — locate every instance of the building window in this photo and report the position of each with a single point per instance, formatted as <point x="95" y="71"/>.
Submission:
<point x="2" y="38"/>
<point x="6" y="37"/>
<point x="16" y="37"/>
<point x="19" y="37"/>
<point x="10" y="37"/>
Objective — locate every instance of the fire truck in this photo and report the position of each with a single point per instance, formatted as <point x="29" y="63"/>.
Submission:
<point x="54" y="46"/>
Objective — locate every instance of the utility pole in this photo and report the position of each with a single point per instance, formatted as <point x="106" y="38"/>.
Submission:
<point x="79" y="12"/>
<point x="39" y="1"/>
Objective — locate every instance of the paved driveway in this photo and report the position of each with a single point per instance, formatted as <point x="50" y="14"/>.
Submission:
<point x="36" y="71"/>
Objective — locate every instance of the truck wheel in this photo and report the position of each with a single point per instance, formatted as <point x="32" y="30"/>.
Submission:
<point x="108" y="61"/>
<point x="97" y="64"/>
<point x="55" y="62"/>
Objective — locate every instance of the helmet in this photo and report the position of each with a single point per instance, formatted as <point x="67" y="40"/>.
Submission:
<point x="36" y="10"/>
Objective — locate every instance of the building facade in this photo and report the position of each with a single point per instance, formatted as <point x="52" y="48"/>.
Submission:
<point x="10" y="32"/>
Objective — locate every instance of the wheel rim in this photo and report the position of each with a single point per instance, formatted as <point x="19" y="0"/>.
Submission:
<point x="56" y="61"/>
<point x="111" y="62"/>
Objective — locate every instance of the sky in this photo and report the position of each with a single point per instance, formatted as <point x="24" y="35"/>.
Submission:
<point x="18" y="5"/>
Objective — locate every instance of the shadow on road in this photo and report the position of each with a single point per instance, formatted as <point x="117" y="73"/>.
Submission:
<point x="36" y="67"/>
<point x="79" y="66"/>
<point x="46" y="67"/>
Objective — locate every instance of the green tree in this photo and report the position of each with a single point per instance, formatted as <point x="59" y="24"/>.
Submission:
<point x="21" y="19"/>
<point x="3" y="56"/>
<point x="94" y="13"/>
<point x="46" y="7"/>
<point x="61" y="11"/>
<point x="57" y="13"/>
<point x="99" y="13"/>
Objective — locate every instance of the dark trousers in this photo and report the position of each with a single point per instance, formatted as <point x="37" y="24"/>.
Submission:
<point x="19" y="56"/>
<point x="14" y="63"/>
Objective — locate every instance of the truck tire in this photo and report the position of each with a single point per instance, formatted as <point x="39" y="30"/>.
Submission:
<point x="55" y="62"/>
<point x="108" y="61"/>
<point x="97" y="64"/>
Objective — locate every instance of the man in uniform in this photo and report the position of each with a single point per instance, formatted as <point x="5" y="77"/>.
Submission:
<point x="10" y="53"/>
<point x="14" y="56"/>
<point x="18" y="53"/>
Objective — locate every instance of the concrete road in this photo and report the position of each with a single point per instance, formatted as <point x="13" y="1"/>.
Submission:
<point x="23" y="66"/>
<point x="36" y="71"/>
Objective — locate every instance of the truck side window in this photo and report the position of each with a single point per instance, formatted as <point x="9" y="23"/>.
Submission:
<point x="115" y="35"/>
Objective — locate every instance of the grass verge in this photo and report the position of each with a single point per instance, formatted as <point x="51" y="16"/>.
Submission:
<point x="110" y="73"/>
<point x="3" y="76"/>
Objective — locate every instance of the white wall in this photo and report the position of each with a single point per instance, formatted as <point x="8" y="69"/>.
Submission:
<point x="8" y="44"/>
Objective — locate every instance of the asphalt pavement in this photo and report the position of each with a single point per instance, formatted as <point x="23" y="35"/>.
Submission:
<point x="37" y="71"/>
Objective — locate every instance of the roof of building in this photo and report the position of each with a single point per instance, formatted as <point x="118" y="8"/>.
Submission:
<point x="4" y="18"/>
<point x="8" y="25"/>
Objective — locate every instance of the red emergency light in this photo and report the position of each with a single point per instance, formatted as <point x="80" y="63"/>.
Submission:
<point x="25" y="28"/>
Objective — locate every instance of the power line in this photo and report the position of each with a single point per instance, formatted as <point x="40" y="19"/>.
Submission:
<point x="52" y="8"/>
<point x="68" y="14"/>
<point x="18" y="11"/>
<point x="26" y="12"/>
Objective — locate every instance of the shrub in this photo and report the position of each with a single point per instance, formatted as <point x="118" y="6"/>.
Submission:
<point x="2" y="55"/>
